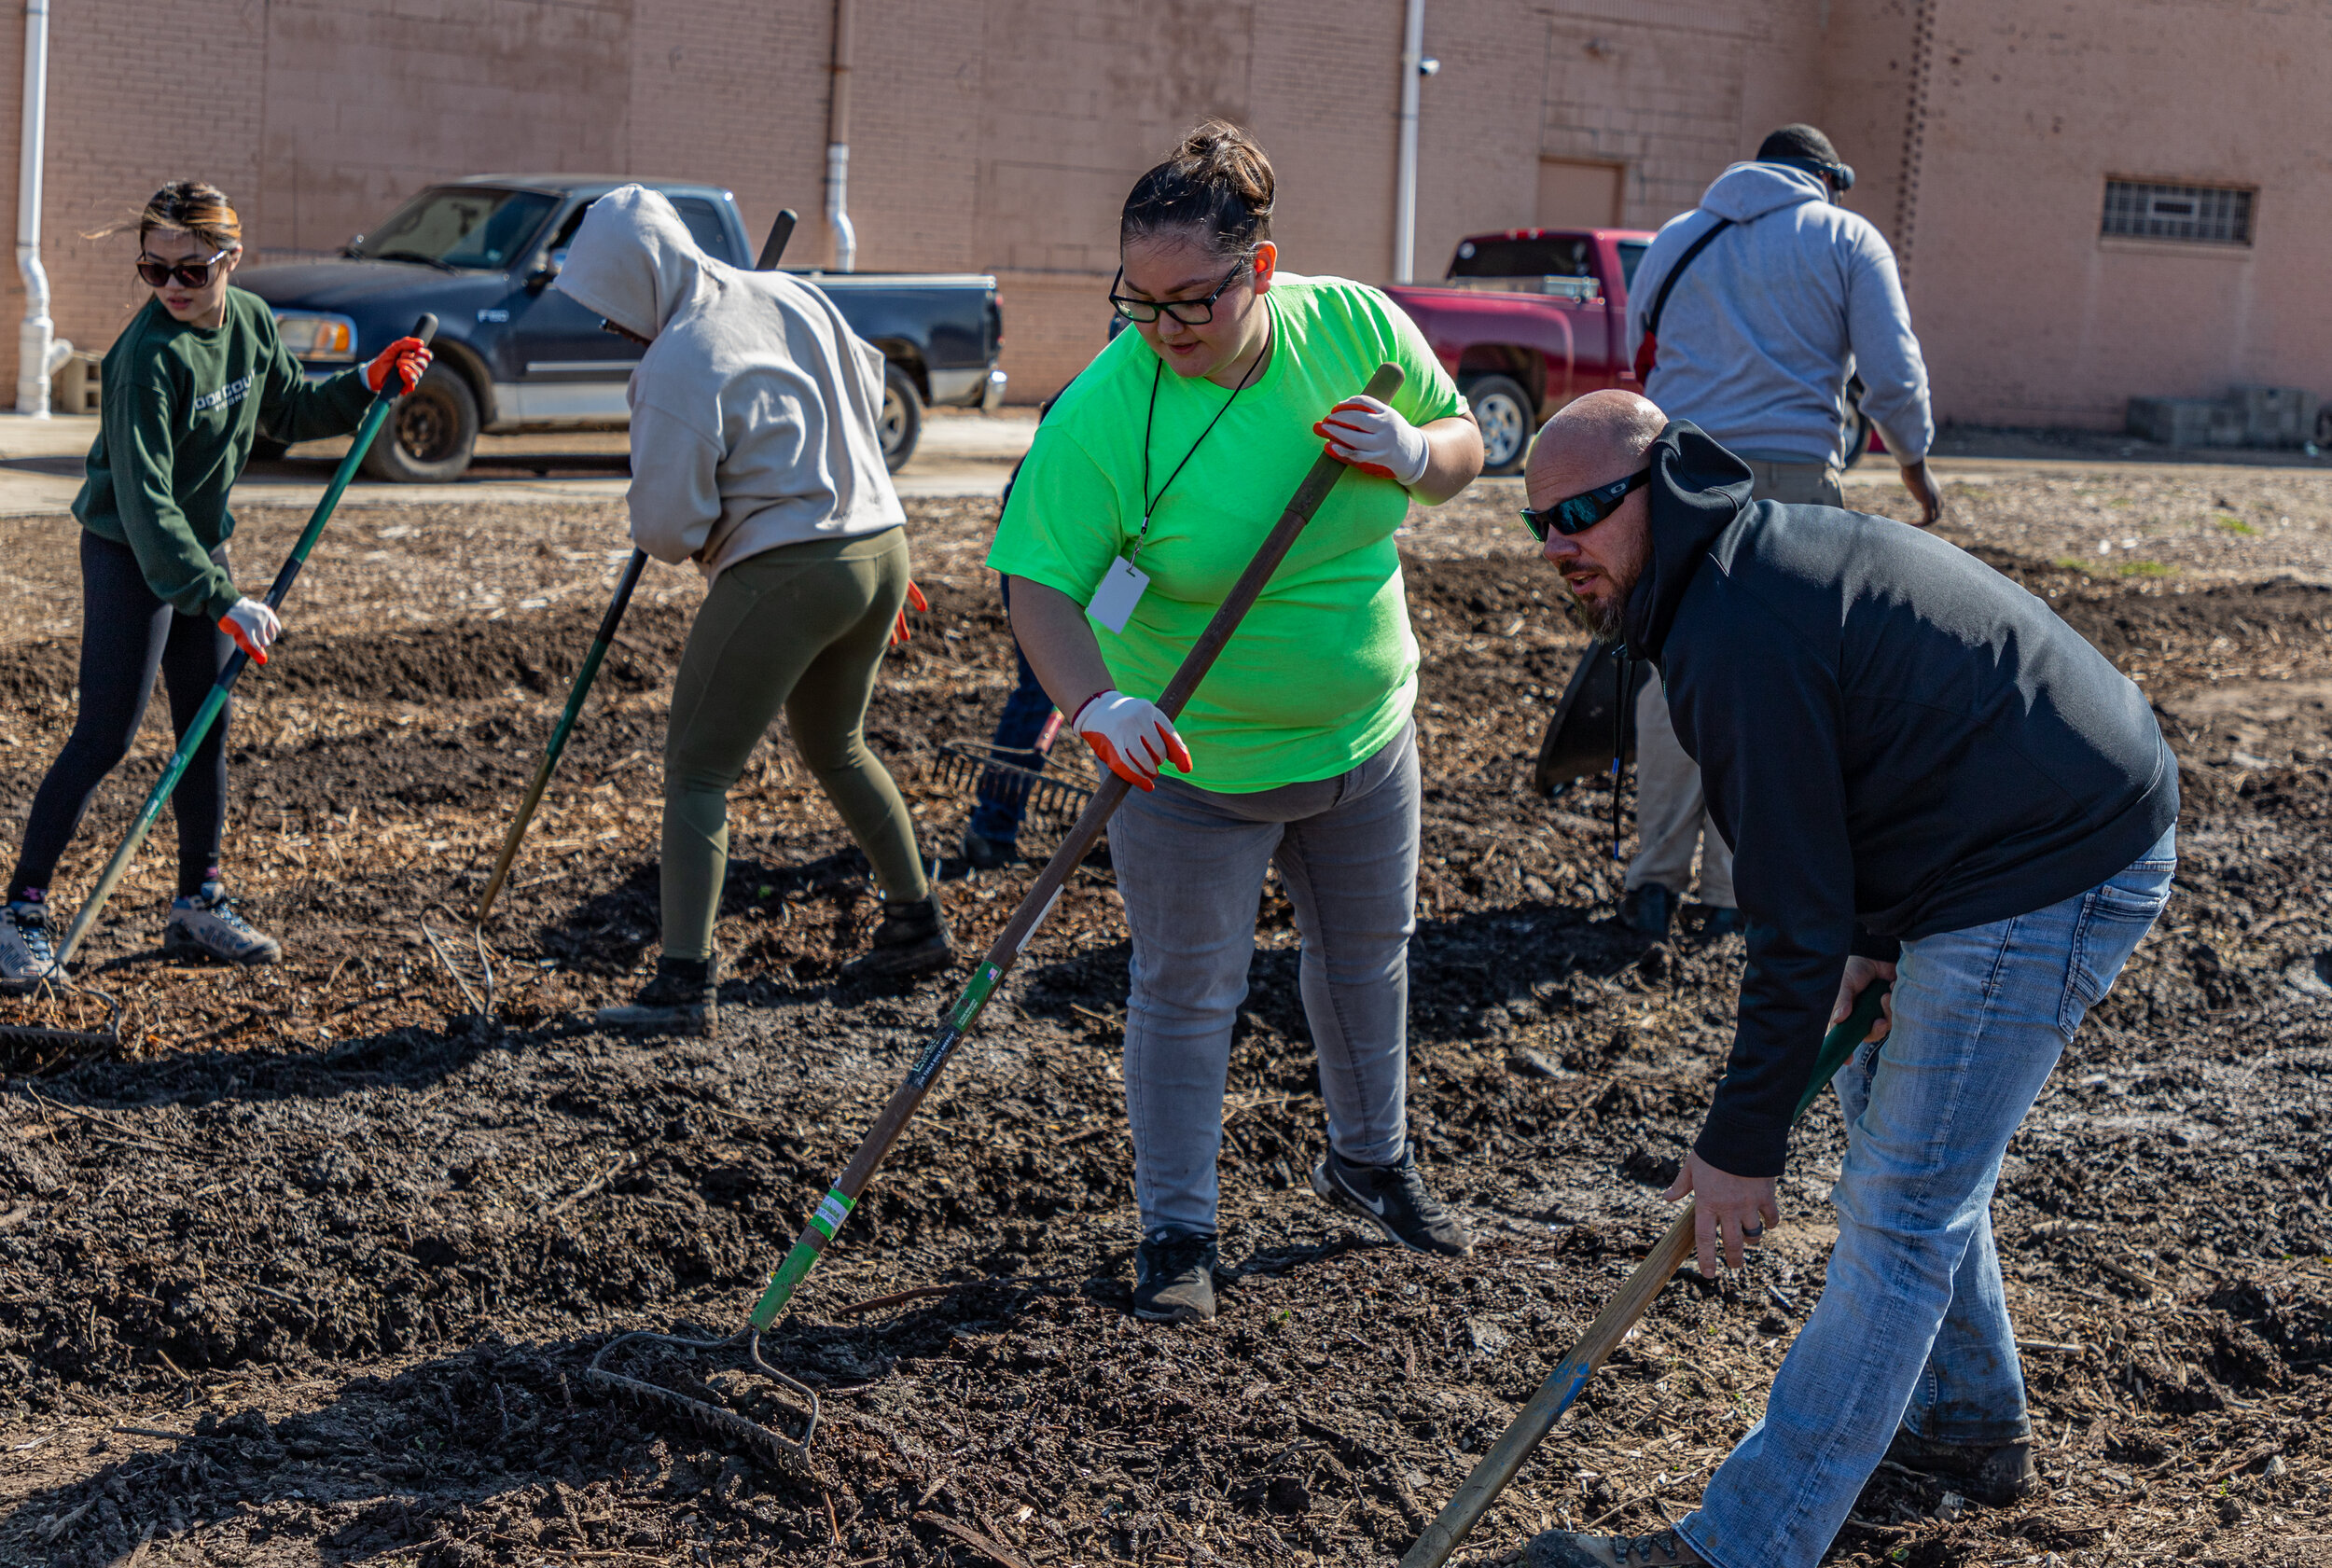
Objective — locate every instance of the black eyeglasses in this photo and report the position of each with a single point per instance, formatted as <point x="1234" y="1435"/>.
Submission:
<point x="154" y="273"/>
<point x="1582" y="511"/>
<point x="1190" y="312"/>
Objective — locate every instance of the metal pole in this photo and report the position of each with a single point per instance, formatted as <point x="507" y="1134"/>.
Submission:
<point x="37" y="350"/>
<point x="837" y="146"/>
<point x="1405" y="178"/>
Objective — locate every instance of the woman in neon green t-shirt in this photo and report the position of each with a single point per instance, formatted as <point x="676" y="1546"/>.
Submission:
<point x="1146" y="491"/>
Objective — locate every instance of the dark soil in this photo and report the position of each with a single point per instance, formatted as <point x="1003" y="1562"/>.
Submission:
<point x="309" y="1269"/>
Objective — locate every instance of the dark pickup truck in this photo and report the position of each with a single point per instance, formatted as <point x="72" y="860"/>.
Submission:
<point x="513" y="354"/>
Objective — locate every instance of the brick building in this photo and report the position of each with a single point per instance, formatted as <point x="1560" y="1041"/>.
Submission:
<point x="2000" y="142"/>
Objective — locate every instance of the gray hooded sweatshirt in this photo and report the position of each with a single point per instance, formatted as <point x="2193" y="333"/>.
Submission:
<point x="1771" y="319"/>
<point x="754" y="410"/>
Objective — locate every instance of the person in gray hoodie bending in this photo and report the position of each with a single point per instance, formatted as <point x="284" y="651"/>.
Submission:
<point x="1774" y="299"/>
<point x="754" y="456"/>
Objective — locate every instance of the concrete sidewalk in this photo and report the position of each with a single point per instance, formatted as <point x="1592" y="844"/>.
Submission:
<point x="960" y="454"/>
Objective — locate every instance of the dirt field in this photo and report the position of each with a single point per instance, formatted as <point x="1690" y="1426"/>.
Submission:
<point x="308" y="1270"/>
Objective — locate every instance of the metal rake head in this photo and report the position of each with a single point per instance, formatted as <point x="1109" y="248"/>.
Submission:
<point x="49" y="995"/>
<point x="787" y="1455"/>
<point x="970" y="768"/>
<point x="472" y="972"/>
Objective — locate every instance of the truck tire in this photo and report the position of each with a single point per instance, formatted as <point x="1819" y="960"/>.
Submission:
<point x="902" y="423"/>
<point x="1857" y="423"/>
<point x="1503" y="410"/>
<point x="431" y="433"/>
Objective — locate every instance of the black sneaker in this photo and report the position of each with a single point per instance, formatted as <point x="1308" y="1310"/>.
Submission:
<point x="28" y="948"/>
<point x="1716" y="920"/>
<point x="207" y="924"/>
<point x="1392" y="1198"/>
<point x="684" y="998"/>
<point x="912" y="939"/>
<point x="1647" y="909"/>
<point x="984" y="853"/>
<point x="1994" y="1473"/>
<point x="1173" y="1278"/>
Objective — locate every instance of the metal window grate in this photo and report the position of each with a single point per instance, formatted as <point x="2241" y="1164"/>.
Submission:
<point x="2210" y="214"/>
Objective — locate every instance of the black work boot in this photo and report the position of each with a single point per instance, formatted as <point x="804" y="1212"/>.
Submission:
<point x="1564" y="1548"/>
<point x="912" y="939"/>
<point x="1173" y="1278"/>
<point x="984" y="854"/>
<point x="684" y="998"/>
<point x="1647" y="909"/>
<point x="1393" y="1199"/>
<point x="1997" y="1474"/>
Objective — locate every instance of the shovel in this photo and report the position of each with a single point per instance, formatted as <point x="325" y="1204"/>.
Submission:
<point x="1529" y="1426"/>
<point x="793" y="1454"/>
<point x="54" y="981"/>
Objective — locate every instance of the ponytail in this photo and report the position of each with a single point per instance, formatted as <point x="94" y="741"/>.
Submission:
<point x="1216" y="189"/>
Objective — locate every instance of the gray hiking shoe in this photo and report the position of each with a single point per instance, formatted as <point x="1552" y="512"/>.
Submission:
<point x="1393" y="1199"/>
<point x="27" y="947"/>
<point x="684" y="998"/>
<point x="207" y="925"/>
<point x="1173" y="1279"/>
<point x="1996" y="1474"/>
<point x="1564" y="1548"/>
<point x="912" y="939"/>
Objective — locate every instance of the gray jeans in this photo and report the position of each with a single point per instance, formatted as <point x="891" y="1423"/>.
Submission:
<point x="1190" y="864"/>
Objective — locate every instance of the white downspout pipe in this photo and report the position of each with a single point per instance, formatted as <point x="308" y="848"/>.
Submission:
<point x="1405" y="179"/>
<point x="837" y="146"/>
<point x="38" y="350"/>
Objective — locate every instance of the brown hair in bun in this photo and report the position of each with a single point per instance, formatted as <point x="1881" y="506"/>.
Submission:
<point x="1216" y="189"/>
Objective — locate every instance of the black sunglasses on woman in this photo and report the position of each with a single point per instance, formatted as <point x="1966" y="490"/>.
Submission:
<point x="154" y="273"/>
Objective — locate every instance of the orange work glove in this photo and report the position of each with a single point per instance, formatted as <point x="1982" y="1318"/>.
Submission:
<point x="252" y="626"/>
<point x="915" y="600"/>
<point x="408" y="356"/>
<point x="1134" y="738"/>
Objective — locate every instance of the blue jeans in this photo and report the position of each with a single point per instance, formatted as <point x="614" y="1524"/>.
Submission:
<point x="1191" y="867"/>
<point x="1912" y="1328"/>
<point x="1001" y="797"/>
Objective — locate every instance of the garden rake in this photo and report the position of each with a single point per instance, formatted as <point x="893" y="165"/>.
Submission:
<point x="793" y="1454"/>
<point x="1530" y="1424"/>
<point x="55" y="984"/>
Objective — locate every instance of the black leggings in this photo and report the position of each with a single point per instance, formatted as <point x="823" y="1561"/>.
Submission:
<point x="126" y="635"/>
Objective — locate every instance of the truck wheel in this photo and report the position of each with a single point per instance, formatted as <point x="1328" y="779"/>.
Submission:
<point x="1503" y="410"/>
<point x="431" y="432"/>
<point x="902" y="423"/>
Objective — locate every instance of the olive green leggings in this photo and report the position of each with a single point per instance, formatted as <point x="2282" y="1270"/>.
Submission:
<point x="802" y="628"/>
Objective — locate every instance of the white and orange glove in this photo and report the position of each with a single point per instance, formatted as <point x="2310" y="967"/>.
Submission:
<point x="1370" y="436"/>
<point x="1130" y="736"/>
<point x="252" y="626"/>
<point x="916" y="602"/>
<point x="406" y="358"/>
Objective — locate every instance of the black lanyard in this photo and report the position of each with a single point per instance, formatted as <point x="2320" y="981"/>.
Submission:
<point x="1158" y="368"/>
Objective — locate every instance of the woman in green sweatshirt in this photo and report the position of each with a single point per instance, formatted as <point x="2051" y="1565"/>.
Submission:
<point x="186" y="386"/>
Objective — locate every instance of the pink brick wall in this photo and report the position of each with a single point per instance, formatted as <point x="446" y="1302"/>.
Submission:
<point x="1000" y="135"/>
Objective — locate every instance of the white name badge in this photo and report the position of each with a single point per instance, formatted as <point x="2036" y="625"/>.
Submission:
<point x="1120" y="590"/>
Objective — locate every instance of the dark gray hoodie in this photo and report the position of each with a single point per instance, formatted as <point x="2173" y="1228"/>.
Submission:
<point x="1895" y="740"/>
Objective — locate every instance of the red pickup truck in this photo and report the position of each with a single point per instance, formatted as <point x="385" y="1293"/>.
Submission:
<point x="1531" y="318"/>
<point x="1526" y="321"/>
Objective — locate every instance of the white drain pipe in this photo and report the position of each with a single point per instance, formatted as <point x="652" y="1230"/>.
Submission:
<point x="837" y="146"/>
<point x="38" y="350"/>
<point x="1405" y="178"/>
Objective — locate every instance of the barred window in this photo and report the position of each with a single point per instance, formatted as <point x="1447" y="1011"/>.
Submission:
<point x="2212" y="214"/>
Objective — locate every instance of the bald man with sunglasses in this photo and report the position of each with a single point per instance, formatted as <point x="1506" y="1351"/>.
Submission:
<point x="1929" y="779"/>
